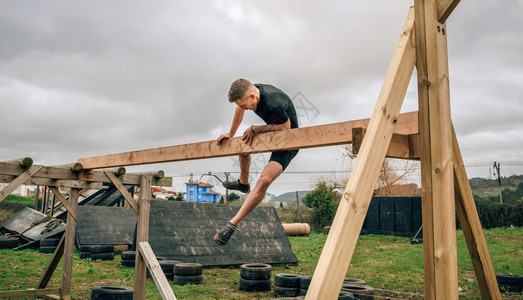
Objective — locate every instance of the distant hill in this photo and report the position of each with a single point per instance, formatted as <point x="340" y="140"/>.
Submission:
<point x="289" y="198"/>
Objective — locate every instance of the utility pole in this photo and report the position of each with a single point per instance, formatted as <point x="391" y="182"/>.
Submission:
<point x="298" y="210"/>
<point x="496" y="171"/>
<point x="226" y="199"/>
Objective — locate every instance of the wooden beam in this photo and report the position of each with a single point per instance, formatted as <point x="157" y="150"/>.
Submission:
<point x="28" y="293"/>
<point x="142" y="235"/>
<point x="156" y="271"/>
<point x="24" y="163"/>
<point x="61" y="198"/>
<point x="70" y="232"/>
<point x="298" y="138"/>
<point x="53" y="263"/>
<point x="438" y="207"/>
<point x="445" y="8"/>
<point x="125" y="193"/>
<point x="18" y="181"/>
<point x="401" y="146"/>
<point x="341" y="241"/>
<point x="469" y="220"/>
<point x="53" y="176"/>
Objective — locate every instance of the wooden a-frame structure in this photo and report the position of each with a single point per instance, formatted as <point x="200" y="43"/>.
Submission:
<point x="430" y="137"/>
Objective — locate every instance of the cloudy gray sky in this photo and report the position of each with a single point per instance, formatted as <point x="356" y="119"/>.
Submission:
<point x="85" y="78"/>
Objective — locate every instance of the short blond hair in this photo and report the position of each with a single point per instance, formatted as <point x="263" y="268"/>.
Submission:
<point x="239" y="89"/>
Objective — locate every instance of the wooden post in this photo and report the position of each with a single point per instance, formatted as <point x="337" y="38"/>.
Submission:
<point x="67" y="268"/>
<point x="142" y="235"/>
<point x="469" y="219"/>
<point x="298" y="215"/>
<point x="341" y="241"/>
<point x="437" y="174"/>
<point x="18" y="181"/>
<point x="146" y="252"/>
<point x="125" y="193"/>
<point x="51" y="267"/>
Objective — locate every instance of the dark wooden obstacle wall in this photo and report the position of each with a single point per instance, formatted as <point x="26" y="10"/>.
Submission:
<point x="399" y="216"/>
<point x="183" y="231"/>
<point x="103" y="225"/>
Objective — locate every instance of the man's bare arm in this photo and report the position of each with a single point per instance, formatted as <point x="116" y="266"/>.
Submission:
<point x="236" y="121"/>
<point x="272" y="127"/>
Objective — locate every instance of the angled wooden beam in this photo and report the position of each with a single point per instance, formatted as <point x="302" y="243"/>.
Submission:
<point x="18" y="181"/>
<point x="346" y="227"/>
<point x="298" y="138"/>
<point x="70" y="232"/>
<point x="125" y="193"/>
<point x="65" y="203"/>
<point x="469" y="220"/>
<point x="28" y="293"/>
<point x="53" y="263"/>
<point x="401" y="145"/>
<point x="437" y="173"/>
<point x="25" y="162"/>
<point x="445" y="8"/>
<point x="156" y="271"/>
<point x="142" y="235"/>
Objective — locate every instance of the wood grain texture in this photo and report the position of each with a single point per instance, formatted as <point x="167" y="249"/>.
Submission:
<point x="118" y="184"/>
<point x="445" y="8"/>
<point x="156" y="271"/>
<point x="53" y="263"/>
<point x="28" y="293"/>
<point x="15" y="183"/>
<point x="401" y="146"/>
<point x="142" y="235"/>
<point x="70" y="232"/>
<point x="70" y="208"/>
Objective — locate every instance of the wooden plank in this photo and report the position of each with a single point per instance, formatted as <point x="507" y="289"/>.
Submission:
<point x="18" y="181"/>
<point x="470" y="223"/>
<point x="52" y="176"/>
<point x="341" y="241"/>
<point x="439" y="234"/>
<point x="67" y="268"/>
<point x="156" y="271"/>
<point x="401" y="146"/>
<point x="142" y="235"/>
<point x="306" y="137"/>
<point x="53" y="263"/>
<point x="445" y="8"/>
<point x="28" y="293"/>
<point x="125" y="193"/>
<point x="64" y="202"/>
<point x="24" y="162"/>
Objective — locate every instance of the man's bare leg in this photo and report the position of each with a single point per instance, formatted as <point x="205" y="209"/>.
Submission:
<point x="268" y="175"/>
<point x="245" y="165"/>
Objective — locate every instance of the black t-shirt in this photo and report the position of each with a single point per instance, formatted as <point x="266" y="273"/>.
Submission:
<point x="275" y="107"/>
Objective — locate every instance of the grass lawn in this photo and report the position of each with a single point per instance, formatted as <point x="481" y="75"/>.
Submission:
<point x="385" y="262"/>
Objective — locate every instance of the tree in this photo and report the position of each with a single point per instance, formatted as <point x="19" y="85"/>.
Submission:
<point x="179" y="197"/>
<point x="233" y="197"/>
<point x="323" y="201"/>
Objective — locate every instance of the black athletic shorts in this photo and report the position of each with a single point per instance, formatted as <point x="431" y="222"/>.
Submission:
<point x="283" y="157"/>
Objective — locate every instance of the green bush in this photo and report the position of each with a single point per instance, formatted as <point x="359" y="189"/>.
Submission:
<point x="323" y="201"/>
<point x="493" y="214"/>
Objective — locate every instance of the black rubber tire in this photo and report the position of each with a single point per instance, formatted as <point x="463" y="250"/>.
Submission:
<point x="168" y="265"/>
<point x="305" y="281"/>
<point x="158" y="258"/>
<point x="510" y="282"/>
<point x="326" y="229"/>
<point x="127" y="263"/>
<point x="111" y="292"/>
<point x="8" y="242"/>
<point x="286" y="291"/>
<point x="363" y="292"/>
<point x="289" y="298"/>
<point x="344" y="295"/>
<point x="96" y="249"/>
<point x="102" y="256"/>
<point x="170" y="276"/>
<point x="303" y="292"/>
<point x="84" y="255"/>
<point x="49" y="242"/>
<point x="85" y="248"/>
<point x="255" y="271"/>
<point x="255" y="285"/>
<point x="183" y="280"/>
<point x="129" y="255"/>
<point x="187" y="269"/>
<point x="47" y="249"/>
<point x="354" y="281"/>
<point x="287" y="280"/>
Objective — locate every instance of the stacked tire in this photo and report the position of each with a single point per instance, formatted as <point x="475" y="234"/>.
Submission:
<point x="85" y="251"/>
<point x="510" y="282"/>
<point x="102" y="252"/>
<point x="347" y="291"/>
<point x="255" y="277"/>
<point x="112" y="292"/>
<point x="360" y="291"/>
<point x="305" y="281"/>
<point x="187" y="273"/>
<point x="8" y="242"/>
<point x="128" y="258"/>
<point x="286" y="285"/>
<point x="48" y="245"/>
<point x="167" y="268"/>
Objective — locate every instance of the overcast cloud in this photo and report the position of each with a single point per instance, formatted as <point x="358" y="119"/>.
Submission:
<point x="84" y="78"/>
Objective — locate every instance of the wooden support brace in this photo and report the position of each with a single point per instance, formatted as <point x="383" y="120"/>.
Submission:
<point x="156" y="271"/>
<point x="445" y="8"/>
<point x="51" y="267"/>
<point x="341" y="241"/>
<point x="469" y="219"/>
<point x="297" y="138"/>
<point x="18" y="181"/>
<point x="125" y="193"/>
<point x="24" y="163"/>
<point x="401" y="146"/>
<point x="67" y="267"/>
<point x="28" y="293"/>
<point x="66" y="204"/>
<point x="56" y="183"/>
<point x="142" y="235"/>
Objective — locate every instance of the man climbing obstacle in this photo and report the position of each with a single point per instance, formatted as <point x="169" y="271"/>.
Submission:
<point x="277" y="110"/>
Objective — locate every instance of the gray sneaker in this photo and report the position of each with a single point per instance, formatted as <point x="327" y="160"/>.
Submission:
<point x="223" y="236"/>
<point x="237" y="185"/>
